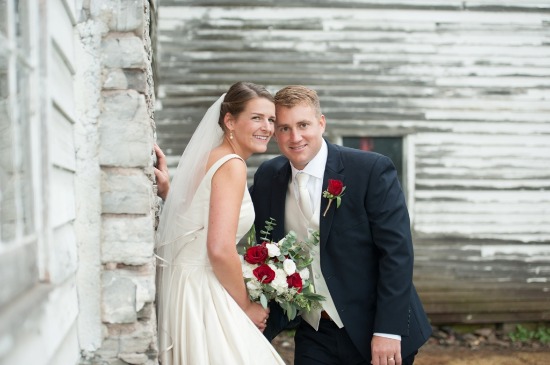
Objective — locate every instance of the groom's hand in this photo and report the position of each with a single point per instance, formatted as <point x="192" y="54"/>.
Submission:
<point x="385" y="351"/>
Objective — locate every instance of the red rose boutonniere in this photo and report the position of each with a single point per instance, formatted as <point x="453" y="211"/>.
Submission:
<point x="335" y="190"/>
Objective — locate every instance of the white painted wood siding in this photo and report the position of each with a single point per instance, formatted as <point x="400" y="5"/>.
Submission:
<point x="39" y="326"/>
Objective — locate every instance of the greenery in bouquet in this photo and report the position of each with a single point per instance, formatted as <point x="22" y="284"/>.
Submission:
<point x="279" y="271"/>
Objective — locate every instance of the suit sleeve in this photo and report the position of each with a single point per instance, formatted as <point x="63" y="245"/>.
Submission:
<point x="391" y="234"/>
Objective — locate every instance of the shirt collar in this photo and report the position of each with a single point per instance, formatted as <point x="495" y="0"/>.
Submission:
<point x="315" y="167"/>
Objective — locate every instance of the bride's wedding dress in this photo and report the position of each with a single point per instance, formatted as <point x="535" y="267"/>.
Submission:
<point x="206" y="326"/>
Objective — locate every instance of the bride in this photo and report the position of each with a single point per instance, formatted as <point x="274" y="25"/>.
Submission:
<point x="205" y="315"/>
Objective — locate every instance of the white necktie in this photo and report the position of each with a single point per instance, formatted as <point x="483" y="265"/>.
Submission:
<point x="304" y="200"/>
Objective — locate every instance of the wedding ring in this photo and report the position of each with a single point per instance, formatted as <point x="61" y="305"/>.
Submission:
<point x="390" y="359"/>
<point x="265" y="320"/>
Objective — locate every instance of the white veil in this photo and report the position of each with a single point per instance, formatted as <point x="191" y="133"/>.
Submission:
<point x="190" y="171"/>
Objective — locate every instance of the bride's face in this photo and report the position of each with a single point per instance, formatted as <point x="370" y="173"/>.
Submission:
<point x="253" y="127"/>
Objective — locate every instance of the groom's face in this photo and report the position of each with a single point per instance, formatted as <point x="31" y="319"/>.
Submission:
<point x="299" y="133"/>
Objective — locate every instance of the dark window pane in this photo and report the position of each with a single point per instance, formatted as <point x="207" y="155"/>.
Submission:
<point x="387" y="146"/>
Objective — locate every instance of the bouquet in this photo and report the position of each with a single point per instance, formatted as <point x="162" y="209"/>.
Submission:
<point x="279" y="271"/>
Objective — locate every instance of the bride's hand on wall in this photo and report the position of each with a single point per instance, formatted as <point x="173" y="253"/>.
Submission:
<point x="161" y="174"/>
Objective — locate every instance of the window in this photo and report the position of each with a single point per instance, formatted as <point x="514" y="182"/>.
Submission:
<point x="400" y="150"/>
<point x="18" y="238"/>
<point x="387" y="146"/>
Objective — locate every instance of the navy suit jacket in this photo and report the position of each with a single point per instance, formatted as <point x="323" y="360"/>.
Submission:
<point x="366" y="246"/>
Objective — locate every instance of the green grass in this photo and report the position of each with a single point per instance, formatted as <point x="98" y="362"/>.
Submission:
<point x="523" y="334"/>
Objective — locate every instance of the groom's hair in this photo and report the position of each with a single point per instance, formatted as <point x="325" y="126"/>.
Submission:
<point x="238" y="95"/>
<point x="293" y="95"/>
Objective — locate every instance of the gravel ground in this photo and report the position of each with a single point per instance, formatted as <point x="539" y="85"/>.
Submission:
<point x="446" y="347"/>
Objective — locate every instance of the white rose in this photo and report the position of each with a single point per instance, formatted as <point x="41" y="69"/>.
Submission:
<point x="247" y="271"/>
<point x="272" y="250"/>
<point x="279" y="283"/>
<point x="253" y="285"/>
<point x="304" y="273"/>
<point x="289" y="266"/>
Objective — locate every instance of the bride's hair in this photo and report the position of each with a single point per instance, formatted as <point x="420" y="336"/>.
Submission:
<point x="238" y="95"/>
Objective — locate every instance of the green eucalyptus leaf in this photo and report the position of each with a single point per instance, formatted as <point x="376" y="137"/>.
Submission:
<point x="291" y="313"/>
<point x="263" y="300"/>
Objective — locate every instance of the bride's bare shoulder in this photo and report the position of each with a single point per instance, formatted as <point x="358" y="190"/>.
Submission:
<point x="216" y="154"/>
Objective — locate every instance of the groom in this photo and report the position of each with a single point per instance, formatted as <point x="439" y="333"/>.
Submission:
<point x="364" y="262"/>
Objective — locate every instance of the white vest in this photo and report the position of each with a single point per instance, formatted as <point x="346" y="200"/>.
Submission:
<point x="297" y="222"/>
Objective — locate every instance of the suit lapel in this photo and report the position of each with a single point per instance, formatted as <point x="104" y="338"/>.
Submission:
<point x="333" y="170"/>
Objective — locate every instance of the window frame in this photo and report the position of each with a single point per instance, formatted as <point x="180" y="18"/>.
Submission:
<point x="409" y="159"/>
<point x="23" y="53"/>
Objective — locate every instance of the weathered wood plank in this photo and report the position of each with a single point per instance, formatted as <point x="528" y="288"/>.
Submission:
<point x="496" y="5"/>
<point x="322" y="3"/>
<point x="486" y="307"/>
<point x="395" y="15"/>
<point x="60" y="22"/>
<point x="62" y="95"/>
<point x="478" y="318"/>
<point x="62" y="193"/>
<point x="18" y="267"/>
<point x="62" y="141"/>
<point x="483" y="296"/>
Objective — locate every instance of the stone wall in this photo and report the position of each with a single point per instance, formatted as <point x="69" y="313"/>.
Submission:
<point x="116" y="200"/>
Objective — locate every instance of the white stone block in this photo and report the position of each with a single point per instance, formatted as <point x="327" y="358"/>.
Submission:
<point x="140" y="340"/>
<point x="114" y="78"/>
<point x="120" y="15"/>
<point x="134" y="358"/>
<point x="119" y="298"/>
<point x="138" y="337"/>
<point x="122" y="79"/>
<point x="145" y="291"/>
<point x="125" y="292"/>
<point x="123" y="51"/>
<point x="126" y="130"/>
<point x="125" y="191"/>
<point x="127" y="239"/>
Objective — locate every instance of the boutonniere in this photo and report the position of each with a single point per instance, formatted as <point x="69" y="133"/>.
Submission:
<point x="335" y="190"/>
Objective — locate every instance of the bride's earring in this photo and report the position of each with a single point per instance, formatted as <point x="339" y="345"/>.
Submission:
<point x="230" y="134"/>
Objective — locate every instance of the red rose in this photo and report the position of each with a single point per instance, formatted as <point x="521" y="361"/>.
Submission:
<point x="335" y="187"/>
<point x="256" y="254"/>
<point x="295" y="281"/>
<point x="264" y="274"/>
